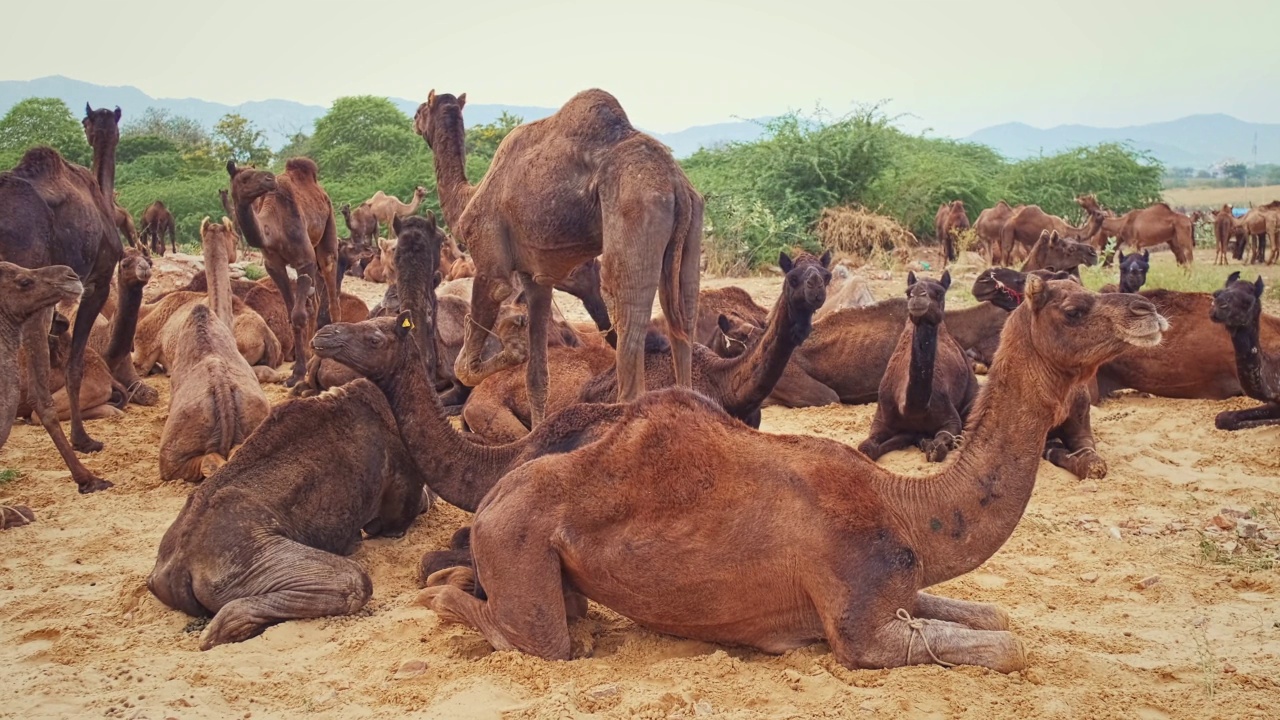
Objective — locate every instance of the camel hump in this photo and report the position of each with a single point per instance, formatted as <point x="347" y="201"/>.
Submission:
<point x="304" y="167"/>
<point x="597" y="115"/>
<point x="39" y="160"/>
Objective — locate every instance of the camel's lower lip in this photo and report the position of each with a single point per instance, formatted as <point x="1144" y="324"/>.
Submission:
<point x="1148" y="340"/>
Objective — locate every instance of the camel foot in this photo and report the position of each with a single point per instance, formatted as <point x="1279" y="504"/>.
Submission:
<point x="85" y="444"/>
<point x="15" y="516"/>
<point x="266" y="375"/>
<point x="145" y="395"/>
<point x="973" y="615"/>
<point x="463" y="578"/>
<point x="292" y="380"/>
<point x="92" y="485"/>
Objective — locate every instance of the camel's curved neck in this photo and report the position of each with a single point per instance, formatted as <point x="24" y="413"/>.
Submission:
<point x="123" y="325"/>
<point x="247" y="219"/>
<point x="104" y="170"/>
<point x="217" y="273"/>
<point x="1251" y="366"/>
<point x="751" y="376"/>
<point x="449" y="148"/>
<point x="958" y="519"/>
<point x="924" y="352"/>
<point x="458" y="470"/>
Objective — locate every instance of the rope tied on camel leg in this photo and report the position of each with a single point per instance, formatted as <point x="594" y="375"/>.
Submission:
<point x="917" y="627"/>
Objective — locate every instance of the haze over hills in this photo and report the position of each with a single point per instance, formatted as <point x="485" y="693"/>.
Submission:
<point x="1196" y="141"/>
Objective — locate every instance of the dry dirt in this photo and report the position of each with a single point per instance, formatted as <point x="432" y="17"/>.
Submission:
<point x="1163" y="621"/>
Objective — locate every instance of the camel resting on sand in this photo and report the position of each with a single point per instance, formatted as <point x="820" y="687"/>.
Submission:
<point x="261" y="540"/>
<point x="1238" y="307"/>
<point x="704" y="542"/>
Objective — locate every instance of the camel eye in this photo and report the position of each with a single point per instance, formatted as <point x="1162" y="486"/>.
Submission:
<point x="24" y="283"/>
<point x="376" y="341"/>
<point x="1075" y="313"/>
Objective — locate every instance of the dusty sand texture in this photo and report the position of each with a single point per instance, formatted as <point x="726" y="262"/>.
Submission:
<point x="80" y="635"/>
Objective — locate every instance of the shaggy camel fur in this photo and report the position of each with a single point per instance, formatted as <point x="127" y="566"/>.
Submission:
<point x="990" y="228"/>
<point x="559" y="192"/>
<point x="157" y="222"/>
<point x="361" y="223"/>
<point x="387" y="208"/>
<point x="1238" y="307"/>
<point x="1143" y="228"/>
<point x="215" y="400"/>
<point x="1026" y="224"/>
<point x="723" y="568"/>
<point x="1133" y="273"/>
<point x="929" y="386"/>
<point x="26" y="294"/>
<point x="1226" y="229"/>
<point x="53" y="212"/>
<point x="1054" y="252"/>
<point x="947" y="223"/>
<point x="289" y="217"/>
<point x="262" y="540"/>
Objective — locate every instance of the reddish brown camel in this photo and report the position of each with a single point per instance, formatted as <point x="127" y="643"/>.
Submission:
<point x="362" y="224"/>
<point x="561" y="191"/>
<point x="1054" y="252"/>
<point x="157" y="222"/>
<point x="289" y="217"/>
<point x="1238" y="307"/>
<point x="724" y="566"/>
<point x="124" y="223"/>
<point x="1026" y="224"/>
<point x="1225" y="229"/>
<point x="1260" y="226"/>
<point x="53" y="212"/>
<point x="929" y="387"/>
<point x="950" y="220"/>
<point x="990" y="227"/>
<point x="1139" y="229"/>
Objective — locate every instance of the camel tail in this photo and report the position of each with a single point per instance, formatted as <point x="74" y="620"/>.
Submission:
<point x="672" y="261"/>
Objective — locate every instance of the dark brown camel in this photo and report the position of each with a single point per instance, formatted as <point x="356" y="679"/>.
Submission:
<point x="289" y="217"/>
<point x="929" y="387"/>
<point x="561" y="191"/>
<point x="1139" y="229"/>
<point x="724" y="566"/>
<point x="990" y="228"/>
<point x="124" y="223"/>
<point x="1026" y="224"/>
<point x="1238" y="307"/>
<point x="53" y="212"/>
<point x="1054" y="252"/>
<point x="1133" y="272"/>
<point x="262" y="539"/>
<point x="361" y="223"/>
<point x="950" y="220"/>
<point x="1226" y="230"/>
<point x="157" y="222"/>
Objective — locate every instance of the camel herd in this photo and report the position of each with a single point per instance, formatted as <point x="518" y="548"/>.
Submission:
<point x="618" y="461"/>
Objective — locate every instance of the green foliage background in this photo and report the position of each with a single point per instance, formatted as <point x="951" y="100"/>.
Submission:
<point x="762" y="196"/>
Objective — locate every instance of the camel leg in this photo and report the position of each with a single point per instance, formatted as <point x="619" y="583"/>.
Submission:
<point x="90" y="306"/>
<point x="493" y="420"/>
<point x="539" y="299"/>
<point x="484" y="313"/>
<point x="920" y="641"/>
<point x="327" y="261"/>
<point x="1268" y="414"/>
<point x="34" y="334"/>
<point x="936" y="448"/>
<point x="279" y="273"/>
<point x="884" y="440"/>
<point x="298" y="582"/>
<point x="15" y="516"/>
<point x="687" y="284"/>
<point x="978" y="616"/>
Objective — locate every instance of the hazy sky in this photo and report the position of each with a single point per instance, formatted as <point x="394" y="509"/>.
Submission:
<point x="956" y="67"/>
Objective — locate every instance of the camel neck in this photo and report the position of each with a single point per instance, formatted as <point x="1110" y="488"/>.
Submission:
<point x="751" y="376"/>
<point x="958" y="519"/>
<point x="1250" y="363"/>
<point x="458" y="470"/>
<point x="451" y="169"/>
<point x="924" y="352"/>
<point x="123" y="325"/>
<point x="104" y="170"/>
<point x="217" y="275"/>
<point x="248" y="222"/>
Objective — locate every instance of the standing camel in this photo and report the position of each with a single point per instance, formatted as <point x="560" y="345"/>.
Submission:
<point x="561" y="191"/>
<point x="386" y="208"/>
<point x="950" y="220"/>
<point x="157" y="222"/>
<point x="53" y="212"/>
<point x="124" y="222"/>
<point x="362" y="224"/>
<point x="290" y="219"/>
<point x="1140" y="229"/>
<point x="1026" y="224"/>
<point x="990" y="226"/>
<point x="1225" y="229"/>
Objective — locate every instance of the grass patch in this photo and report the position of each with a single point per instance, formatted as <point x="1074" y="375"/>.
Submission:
<point x="1205" y="197"/>
<point x="8" y="476"/>
<point x="1249" y="556"/>
<point x="254" y="272"/>
<point x="1166" y="275"/>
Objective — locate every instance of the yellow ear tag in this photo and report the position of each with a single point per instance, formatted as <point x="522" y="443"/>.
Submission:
<point x="407" y="324"/>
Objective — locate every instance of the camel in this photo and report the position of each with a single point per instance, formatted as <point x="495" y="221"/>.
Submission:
<point x="124" y="223"/>
<point x="26" y="294"/>
<point x="261" y="540"/>
<point x="289" y="217"/>
<point x="386" y="208"/>
<point x="157" y="222"/>
<point x="101" y="396"/>
<point x="1260" y="227"/>
<point x="1238" y="307"/>
<point x="215" y="400"/>
<point x="55" y="212"/>
<point x="929" y="387"/>
<point x="1225" y="230"/>
<point x="560" y="191"/>
<point x="160" y="328"/>
<point x="361" y="223"/>
<point x="381" y="269"/>
<point x="580" y="523"/>
<point x="1272" y="211"/>
<point x="1026" y="224"/>
<point x="949" y="222"/>
<point x="450" y="253"/>
<point x="846" y="290"/>
<point x="1133" y="273"/>
<point x="1143" y="228"/>
<point x="1054" y="252"/>
<point x="352" y="260"/>
<point x="462" y="268"/>
<point x="990" y="228"/>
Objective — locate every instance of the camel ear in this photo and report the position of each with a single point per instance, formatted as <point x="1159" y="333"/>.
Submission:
<point x="462" y="101"/>
<point x="60" y="323"/>
<point x="723" y="322"/>
<point x="1232" y="278"/>
<point x="431" y="218"/>
<point x="825" y="259"/>
<point x="1035" y="292"/>
<point x="431" y="97"/>
<point x="87" y="111"/>
<point x="1146" y="255"/>
<point x="1258" y="287"/>
<point x="117" y="114"/>
<point x="231" y="168"/>
<point x="1120" y="257"/>
<point x="204" y="224"/>
<point x="395" y="224"/>
<point x="226" y="223"/>
<point x="946" y="279"/>
<point x="911" y="278"/>
<point x="404" y="323"/>
<point x="784" y="262"/>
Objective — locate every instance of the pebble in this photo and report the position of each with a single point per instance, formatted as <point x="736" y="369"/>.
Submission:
<point x="702" y="708"/>
<point x="603" y="692"/>
<point x="1230" y="547"/>
<point x="1223" y="522"/>
<point x="1114" y="532"/>
<point x="1147" y="582"/>
<point x="411" y="668"/>
<point x="1247" y="529"/>
<point x="1089" y="577"/>
<point x="1149" y="530"/>
<point x="1228" y="668"/>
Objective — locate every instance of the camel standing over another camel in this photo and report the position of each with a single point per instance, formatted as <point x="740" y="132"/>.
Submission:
<point x="1142" y="228"/>
<point x="990" y="228"/>
<point x="290" y="218"/>
<point x="950" y="220"/>
<point x="157" y="222"/>
<point x="723" y="568"/>
<point x="1238" y="307"/>
<point x="1026" y="224"/>
<point x="561" y="191"/>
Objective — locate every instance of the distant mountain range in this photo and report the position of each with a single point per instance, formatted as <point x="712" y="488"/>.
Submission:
<point x="1197" y="141"/>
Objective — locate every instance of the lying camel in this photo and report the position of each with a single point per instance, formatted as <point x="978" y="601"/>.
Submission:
<point x="929" y="386"/>
<point x="1056" y="252"/>
<point x="581" y="523"/>
<point x="101" y="395"/>
<point x="1133" y="273"/>
<point x="155" y="335"/>
<point x="381" y="269"/>
<point x="1238" y="307"/>
<point x="261" y="540"/>
<point x="846" y="290"/>
<point x="215" y="399"/>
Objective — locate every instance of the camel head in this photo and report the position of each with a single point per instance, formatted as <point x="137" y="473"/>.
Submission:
<point x="135" y="267"/>
<point x="735" y="335"/>
<point x="439" y="111"/>
<point x="221" y="232"/>
<point x="806" y="283"/>
<point x="1239" y="303"/>
<point x="374" y="348"/>
<point x="1006" y="287"/>
<point x="249" y="183"/>
<point x="24" y="292"/>
<point x="1075" y="330"/>
<point x="1065" y="252"/>
<point x="1089" y="204"/>
<point x="926" y="298"/>
<point x="101" y="127"/>
<point x="1133" y="270"/>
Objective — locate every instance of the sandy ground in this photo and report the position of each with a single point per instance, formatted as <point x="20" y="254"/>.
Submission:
<point x="1128" y="606"/>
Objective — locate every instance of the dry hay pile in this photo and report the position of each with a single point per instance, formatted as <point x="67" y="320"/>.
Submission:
<point x="860" y="233"/>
